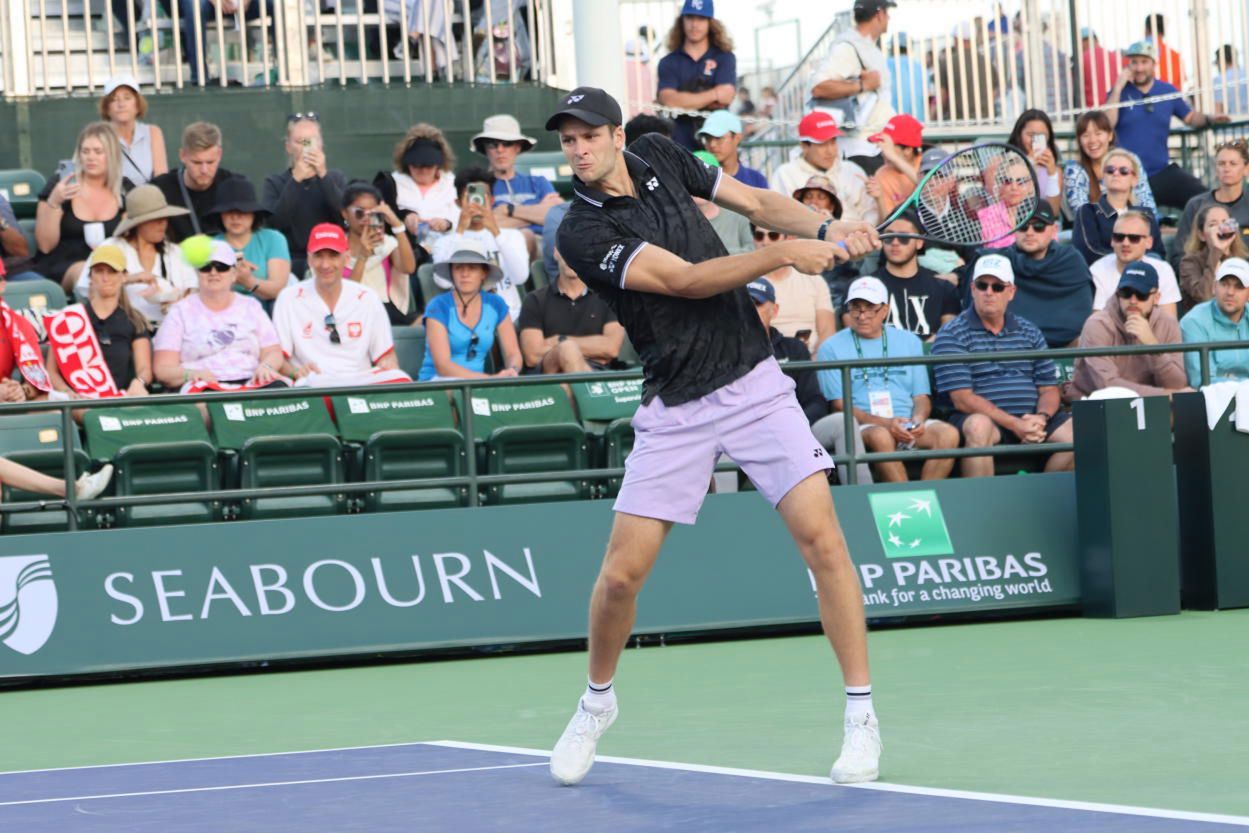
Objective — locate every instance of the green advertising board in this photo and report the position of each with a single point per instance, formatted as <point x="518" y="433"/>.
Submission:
<point x="115" y="600"/>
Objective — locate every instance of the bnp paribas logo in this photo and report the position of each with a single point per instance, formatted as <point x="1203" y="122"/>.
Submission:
<point x="28" y="602"/>
<point x="910" y="524"/>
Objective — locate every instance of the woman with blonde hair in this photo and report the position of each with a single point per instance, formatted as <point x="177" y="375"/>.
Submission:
<point x="1094" y="223"/>
<point x="421" y="188"/>
<point x="142" y="145"/>
<point x="80" y="206"/>
<point x="1215" y="237"/>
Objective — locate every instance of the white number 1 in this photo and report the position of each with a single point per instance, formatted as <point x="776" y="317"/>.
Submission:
<point x="1138" y="405"/>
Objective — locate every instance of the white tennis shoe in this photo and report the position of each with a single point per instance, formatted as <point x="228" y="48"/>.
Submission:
<point x="89" y="486"/>
<point x="574" y="752"/>
<point x="860" y="751"/>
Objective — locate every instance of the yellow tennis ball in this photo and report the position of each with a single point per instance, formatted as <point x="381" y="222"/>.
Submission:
<point x="197" y="250"/>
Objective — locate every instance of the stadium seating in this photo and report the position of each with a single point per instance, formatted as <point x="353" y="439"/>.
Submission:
<point x="425" y="278"/>
<point x="277" y="461"/>
<point x="165" y="468"/>
<point x="21" y="188"/>
<point x="410" y="348"/>
<point x="538" y="277"/>
<point x="41" y="296"/>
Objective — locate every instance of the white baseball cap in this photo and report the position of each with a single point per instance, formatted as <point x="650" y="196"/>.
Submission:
<point x="1234" y="267"/>
<point x="122" y="80"/>
<point x="868" y="289"/>
<point x="995" y="266"/>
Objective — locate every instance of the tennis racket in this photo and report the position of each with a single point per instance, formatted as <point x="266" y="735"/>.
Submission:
<point x="976" y="196"/>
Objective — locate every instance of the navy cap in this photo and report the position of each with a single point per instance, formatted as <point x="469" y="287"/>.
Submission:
<point x="1044" y="213"/>
<point x="761" y="289"/>
<point x="1140" y="276"/>
<point x="699" y="8"/>
<point x="589" y="104"/>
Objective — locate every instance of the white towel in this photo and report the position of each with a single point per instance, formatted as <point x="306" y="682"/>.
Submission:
<point x="1218" y="397"/>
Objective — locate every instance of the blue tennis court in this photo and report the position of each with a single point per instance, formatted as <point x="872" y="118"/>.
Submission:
<point x="469" y="788"/>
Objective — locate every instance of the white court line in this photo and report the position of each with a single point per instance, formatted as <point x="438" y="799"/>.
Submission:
<point x="226" y="787"/>
<point x="1058" y="803"/>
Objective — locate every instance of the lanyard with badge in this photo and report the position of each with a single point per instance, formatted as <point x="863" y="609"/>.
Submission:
<point x="880" y="402"/>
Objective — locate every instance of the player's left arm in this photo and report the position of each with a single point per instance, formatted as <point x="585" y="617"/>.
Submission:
<point x="782" y="213"/>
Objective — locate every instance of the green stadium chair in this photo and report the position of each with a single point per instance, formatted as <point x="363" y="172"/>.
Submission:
<point x="410" y="348"/>
<point x="42" y="295"/>
<point x="21" y="188"/>
<point x="276" y="461"/>
<point x="618" y="441"/>
<point x="50" y="462"/>
<point x="551" y="164"/>
<point x="27" y="225"/>
<point x="528" y="449"/>
<point x="405" y="455"/>
<point x="165" y="468"/>
<point x="538" y="277"/>
<point x="33" y="432"/>
<point x="111" y="430"/>
<point x="425" y="278"/>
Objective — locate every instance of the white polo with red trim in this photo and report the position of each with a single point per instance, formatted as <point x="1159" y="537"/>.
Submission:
<point x="361" y="321"/>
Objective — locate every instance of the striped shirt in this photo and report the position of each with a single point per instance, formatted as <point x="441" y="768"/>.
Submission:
<point x="1011" y="386"/>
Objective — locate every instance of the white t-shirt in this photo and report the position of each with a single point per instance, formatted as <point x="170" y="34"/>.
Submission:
<point x="180" y="279"/>
<point x="363" y="328"/>
<point x="853" y="53"/>
<point x="512" y="255"/>
<point x="1106" y="281"/>
<point x="437" y="202"/>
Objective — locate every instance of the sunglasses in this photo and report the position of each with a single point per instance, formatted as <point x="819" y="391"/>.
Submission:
<point x="472" y="347"/>
<point x="771" y="235"/>
<point x="1037" y="225"/>
<point x="309" y="116"/>
<point x="1127" y="292"/>
<point x="994" y="286"/>
<point x="1123" y="171"/>
<point x="216" y="266"/>
<point x="1119" y="237"/>
<point x="330" y="325"/>
<point x="1018" y="180"/>
<point x="493" y="144"/>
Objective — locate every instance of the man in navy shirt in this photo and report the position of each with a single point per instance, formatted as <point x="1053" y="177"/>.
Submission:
<point x="700" y="70"/>
<point x="1143" y="127"/>
<point x="712" y="385"/>
<point x="520" y="200"/>
<point x="999" y="402"/>
<point x="721" y="134"/>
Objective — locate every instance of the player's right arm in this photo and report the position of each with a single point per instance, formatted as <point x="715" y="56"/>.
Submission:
<point x="658" y="270"/>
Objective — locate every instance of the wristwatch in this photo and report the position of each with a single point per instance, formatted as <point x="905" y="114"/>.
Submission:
<point x="511" y="209"/>
<point x="823" y="232"/>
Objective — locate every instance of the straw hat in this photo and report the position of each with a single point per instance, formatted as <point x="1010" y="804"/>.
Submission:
<point x="146" y="203"/>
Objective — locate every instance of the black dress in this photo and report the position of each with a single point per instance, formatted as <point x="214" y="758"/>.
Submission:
<point x="72" y="247"/>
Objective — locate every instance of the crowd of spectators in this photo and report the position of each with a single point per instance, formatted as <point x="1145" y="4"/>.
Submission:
<point x="309" y="278"/>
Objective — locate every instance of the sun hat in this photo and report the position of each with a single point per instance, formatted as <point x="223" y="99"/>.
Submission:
<point x="502" y="128"/>
<point x="144" y="204"/>
<point x="467" y="250"/>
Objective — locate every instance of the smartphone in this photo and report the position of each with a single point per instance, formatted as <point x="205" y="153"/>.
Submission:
<point x="1039" y="143"/>
<point x="66" y="170"/>
<point x="476" y="192"/>
<point x="376" y="220"/>
<point x="1229" y="226"/>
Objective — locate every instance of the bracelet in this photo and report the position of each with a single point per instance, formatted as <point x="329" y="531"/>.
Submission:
<point x="398" y="229"/>
<point x="823" y="232"/>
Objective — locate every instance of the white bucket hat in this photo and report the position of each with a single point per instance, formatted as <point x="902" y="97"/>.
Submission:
<point x="468" y="250"/>
<point x="502" y="128"/>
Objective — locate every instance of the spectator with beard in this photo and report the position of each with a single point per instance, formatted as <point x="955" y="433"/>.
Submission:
<point x="919" y="302"/>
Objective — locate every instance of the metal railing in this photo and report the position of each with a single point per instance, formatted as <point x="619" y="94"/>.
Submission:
<point x="473" y="480"/>
<point x="51" y="47"/>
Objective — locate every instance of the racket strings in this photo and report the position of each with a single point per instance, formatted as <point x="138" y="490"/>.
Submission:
<point x="978" y="195"/>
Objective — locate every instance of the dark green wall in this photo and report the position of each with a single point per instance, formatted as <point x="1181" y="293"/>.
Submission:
<point x="361" y="123"/>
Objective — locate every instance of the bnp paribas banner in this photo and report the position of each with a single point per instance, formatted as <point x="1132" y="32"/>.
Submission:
<point x="88" y="602"/>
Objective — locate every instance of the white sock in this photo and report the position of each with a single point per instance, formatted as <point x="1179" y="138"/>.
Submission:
<point x="858" y="701"/>
<point x="599" y="697"/>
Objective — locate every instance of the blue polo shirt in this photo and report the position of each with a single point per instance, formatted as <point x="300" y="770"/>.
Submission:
<point x="751" y="177"/>
<point x="1011" y="386"/>
<point x="903" y="383"/>
<point x="1206" y="323"/>
<point x="1144" y="128"/>
<point x="678" y="71"/>
<point x="523" y="189"/>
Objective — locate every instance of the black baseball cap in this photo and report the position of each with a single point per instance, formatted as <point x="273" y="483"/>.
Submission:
<point x="589" y="104"/>
<point x="873" y="6"/>
<point x="1044" y="213"/>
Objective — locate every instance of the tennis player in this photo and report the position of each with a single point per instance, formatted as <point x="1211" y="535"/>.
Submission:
<point x="712" y="387"/>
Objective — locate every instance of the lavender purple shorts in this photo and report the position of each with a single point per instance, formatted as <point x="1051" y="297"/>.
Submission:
<point x="755" y="420"/>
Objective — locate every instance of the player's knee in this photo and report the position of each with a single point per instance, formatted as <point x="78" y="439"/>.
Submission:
<point x="620" y="583"/>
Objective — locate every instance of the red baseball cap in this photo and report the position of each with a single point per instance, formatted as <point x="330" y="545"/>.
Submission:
<point x="905" y="131"/>
<point x="817" y="127"/>
<point x="327" y="236"/>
